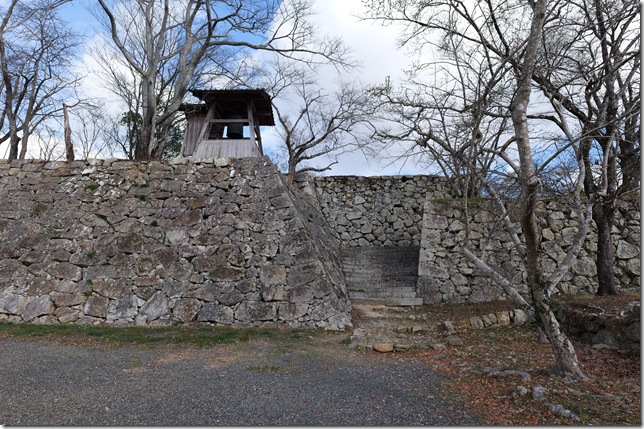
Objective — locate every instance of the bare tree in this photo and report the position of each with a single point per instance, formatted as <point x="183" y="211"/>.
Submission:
<point x="89" y="123"/>
<point x="48" y="143"/>
<point x="496" y="35"/>
<point x="452" y="111"/>
<point x="316" y="121"/>
<point x="170" y="45"/>
<point x="36" y="49"/>
<point x="590" y="71"/>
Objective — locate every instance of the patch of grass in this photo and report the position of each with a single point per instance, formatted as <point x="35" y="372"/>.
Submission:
<point x="142" y="197"/>
<point x="154" y="223"/>
<point x="90" y="254"/>
<point x="91" y="187"/>
<point x="101" y="216"/>
<point x="195" y="336"/>
<point x="297" y="334"/>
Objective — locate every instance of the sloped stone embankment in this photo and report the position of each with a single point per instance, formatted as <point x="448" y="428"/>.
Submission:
<point x="148" y="243"/>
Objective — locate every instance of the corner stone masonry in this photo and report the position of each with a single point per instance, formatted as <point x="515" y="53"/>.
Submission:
<point x="377" y="211"/>
<point x="446" y="275"/>
<point x="225" y="242"/>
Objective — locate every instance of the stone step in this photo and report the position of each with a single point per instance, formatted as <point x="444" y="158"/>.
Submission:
<point x="394" y="258"/>
<point x="403" y="302"/>
<point x="410" y="269"/>
<point x="366" y="274"/>
<point x="398" y="290"/>
<point x="382" y="294"/>
<point x="390" y="302"/>
<point x="368" y="301"/>
<point x="380" y="283"/>
<point x="381" y="275"/>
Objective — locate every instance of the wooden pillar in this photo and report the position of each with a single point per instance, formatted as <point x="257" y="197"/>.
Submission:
<point x="205" y="128"/>
<point x="255" y="136"/>
<point x="251" y="125"/>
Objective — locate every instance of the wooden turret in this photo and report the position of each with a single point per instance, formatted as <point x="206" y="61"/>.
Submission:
<point x="215" y="128"/>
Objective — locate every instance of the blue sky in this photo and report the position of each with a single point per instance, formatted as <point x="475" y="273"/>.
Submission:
<point x="372" y="45"/>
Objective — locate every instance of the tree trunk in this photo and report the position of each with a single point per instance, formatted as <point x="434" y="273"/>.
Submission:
<point x="292" y="164"/>
<point x="14" y="141"/>
<point x="69" y="147"/>
<point x="567" y="364"/>
<point x="142" y="149"/>
<point x="24" y="141"/>
<point x="603" y="215"/>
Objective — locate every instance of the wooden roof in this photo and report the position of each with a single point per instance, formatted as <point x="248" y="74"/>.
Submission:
<point x="235" y="101"/>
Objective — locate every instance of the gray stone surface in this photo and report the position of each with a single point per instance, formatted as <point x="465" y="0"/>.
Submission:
<point x="627" y="250"/>
<point x="377" y="211"/>
<point x="446" y="275"/>
<point x="520" y="317"/>
<point x="122" y="242"/>
<point x="137" y="243"/>
<point x="454" y="341"/>
<point x="232" y="385"/>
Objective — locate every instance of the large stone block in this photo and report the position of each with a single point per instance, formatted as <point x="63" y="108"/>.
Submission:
<point x="226" y="274"/>
<point x="177" y="236"/>
<point x="428" y="290"/>
<point x="12" y="303"/>
<point x="96" y="306"/>
<point x="300" y="275"/>
<point x="585" y="267"/>
<point x="209" y="292"/>
<point x="124" y="308"/>
<point x="110" y="288"/>
<point x="300" y="294"/>
<point x="326" y="308"/>
<point x="186" y="309"/>
<point x="249" y="311"/>
<point x="216" y="313"/>
<point x="68" y="299"/>
<point x="66" y="271"/>
<point x="273" y="274"/>
<point x="155" y="307"/>
<point x="131" y="243"/>
<point x="230" y="297"/>
<point x="274" y="293"/>
<point x="41" y="286"/>
<point x="290" y="311"/>
<point x="632" y="267"/>
<point x="626" y="250"/>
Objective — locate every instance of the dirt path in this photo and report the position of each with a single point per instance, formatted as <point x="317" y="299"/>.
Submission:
<point x="318" y="381"/>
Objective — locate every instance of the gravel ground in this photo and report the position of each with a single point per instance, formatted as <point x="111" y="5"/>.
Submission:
<point x="45" y="382"/>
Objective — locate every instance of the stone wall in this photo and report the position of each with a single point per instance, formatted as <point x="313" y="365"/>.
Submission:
<point x="377" y="211"/>
<point x="615" y="329"/>
<point x="236" y="243"/>
<point x="445" y="275"/>
<point x="149" y="243"/>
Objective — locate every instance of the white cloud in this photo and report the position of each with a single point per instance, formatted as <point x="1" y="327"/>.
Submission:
<point x="371" y="44"/>
<point x="374" y="47"/>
